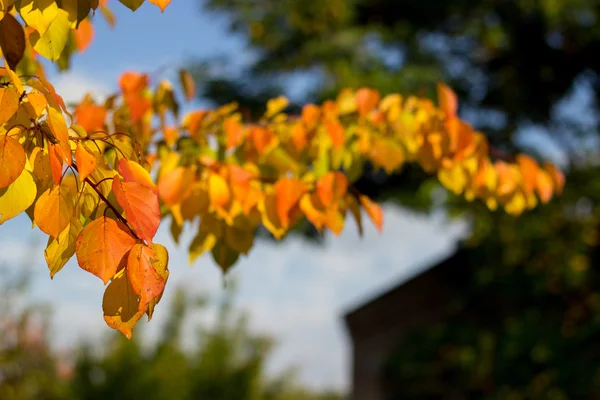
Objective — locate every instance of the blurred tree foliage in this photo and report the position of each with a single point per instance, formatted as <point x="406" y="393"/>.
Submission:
<point x="528" y="325"/>
<point x="513" y="63"/>
<point x="28" y="368"/>
<point x="225" y="362"/>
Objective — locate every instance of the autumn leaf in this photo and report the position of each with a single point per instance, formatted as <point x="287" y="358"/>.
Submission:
<point x="86" y="162"/>
<point x="90" y="116"/>
<point x="101" y="247"/>
<point x="141" y="205"/>
<point x="17" y="197"/>
<point x="53" y="210"/>
<point x="174" y="186"/>
<point x="373" y="211"/>
<point x="218" y="190"/>
<point x="331" y="188"/>
<point x="51" y="42"/>
<point x="38" y="14"/>
<point x="132" y="171"/>
<point x="84" y="34"/>
<point x="60" y="250"/>
<point x="120" y="305"/>
<point x="9" y="103"/>
<point x="145" y="280"/>
<point x="12" y="40"/>
<point x="448" y="100"/>
<point x="288" y="192"/>
<point x="12" y="160"/>
<point x="185" y="78"/>
<point x="366" y="100"/>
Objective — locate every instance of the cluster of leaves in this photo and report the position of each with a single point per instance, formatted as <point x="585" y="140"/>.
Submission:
<point x="86" y="179"/>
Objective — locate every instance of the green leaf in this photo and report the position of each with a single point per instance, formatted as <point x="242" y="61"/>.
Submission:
<point x="53" y="41"/>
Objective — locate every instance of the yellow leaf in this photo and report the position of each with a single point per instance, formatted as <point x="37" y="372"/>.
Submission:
<point x="120" y="305"/>
<point x="39" y="14"/>
<point x="275" y="106"/>
<point x="218" y="190"/>
<point x="51" y="43"/>
<point x="17" y="197"/>
<point x="60" y="250"/>
<point x="36" y="103"/>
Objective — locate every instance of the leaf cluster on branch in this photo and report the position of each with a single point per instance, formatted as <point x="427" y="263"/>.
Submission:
<point x="99" y="181"/>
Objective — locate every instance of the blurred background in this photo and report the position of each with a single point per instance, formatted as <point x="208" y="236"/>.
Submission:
<point x="452" y="301"/>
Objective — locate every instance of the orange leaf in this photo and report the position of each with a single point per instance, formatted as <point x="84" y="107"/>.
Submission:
<point x="134" y="172"/>
<point x="366" y="100"/>
<point x="171" y="134"/>
<point x="146" y="282"/>
<point x="162" y="4"/>
<point x="288" y="192"/>
<point x="448" y="100"/>
<point x="373" y="211"/>
<point x="331" y="188"/>
<point x="53" y="210"/>
<point x="58" y="126"/>
<point x="544" y="186"/>
<point x="86" y="162"/>
<point x="557" y="177"/>
<point x="234" y="132"/>
<point x="132" y="82"/>
<point x="56" y="163"/>
<point x="84" y="34"/>
<point x="187" y="82"/>
<point x="12" y="160"/>
<point x="101" y="246"/>
<point x="336" y="132"/>
<point x="529" y="171"/>
<point x="9" y="103"/>
<point x="141" y="205"/>
<point x="299" y="136"/>
<point x="261" y="137"/>
<point x="175" y="185"/>
<point x="38" y="103"/>
<point x="90" y="116"/>
<point x="310" y="115"/>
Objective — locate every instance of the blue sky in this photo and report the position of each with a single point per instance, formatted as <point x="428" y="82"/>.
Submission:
<point x="293" y="291"/>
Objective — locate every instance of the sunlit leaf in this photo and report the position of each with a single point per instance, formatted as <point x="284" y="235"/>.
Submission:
<point x="17" y="197"/>
<point x="141" y="205"/>
<point x="53" y="210"/>
<point x="145" y="280"/>
<point x="12" y="160"/>
<point x="120" y="305"/>
<point x="60" y="250"/>
<point x="101" y="247"/>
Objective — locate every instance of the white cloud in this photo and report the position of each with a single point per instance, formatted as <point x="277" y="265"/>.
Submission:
<point x="73" y="86"/>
